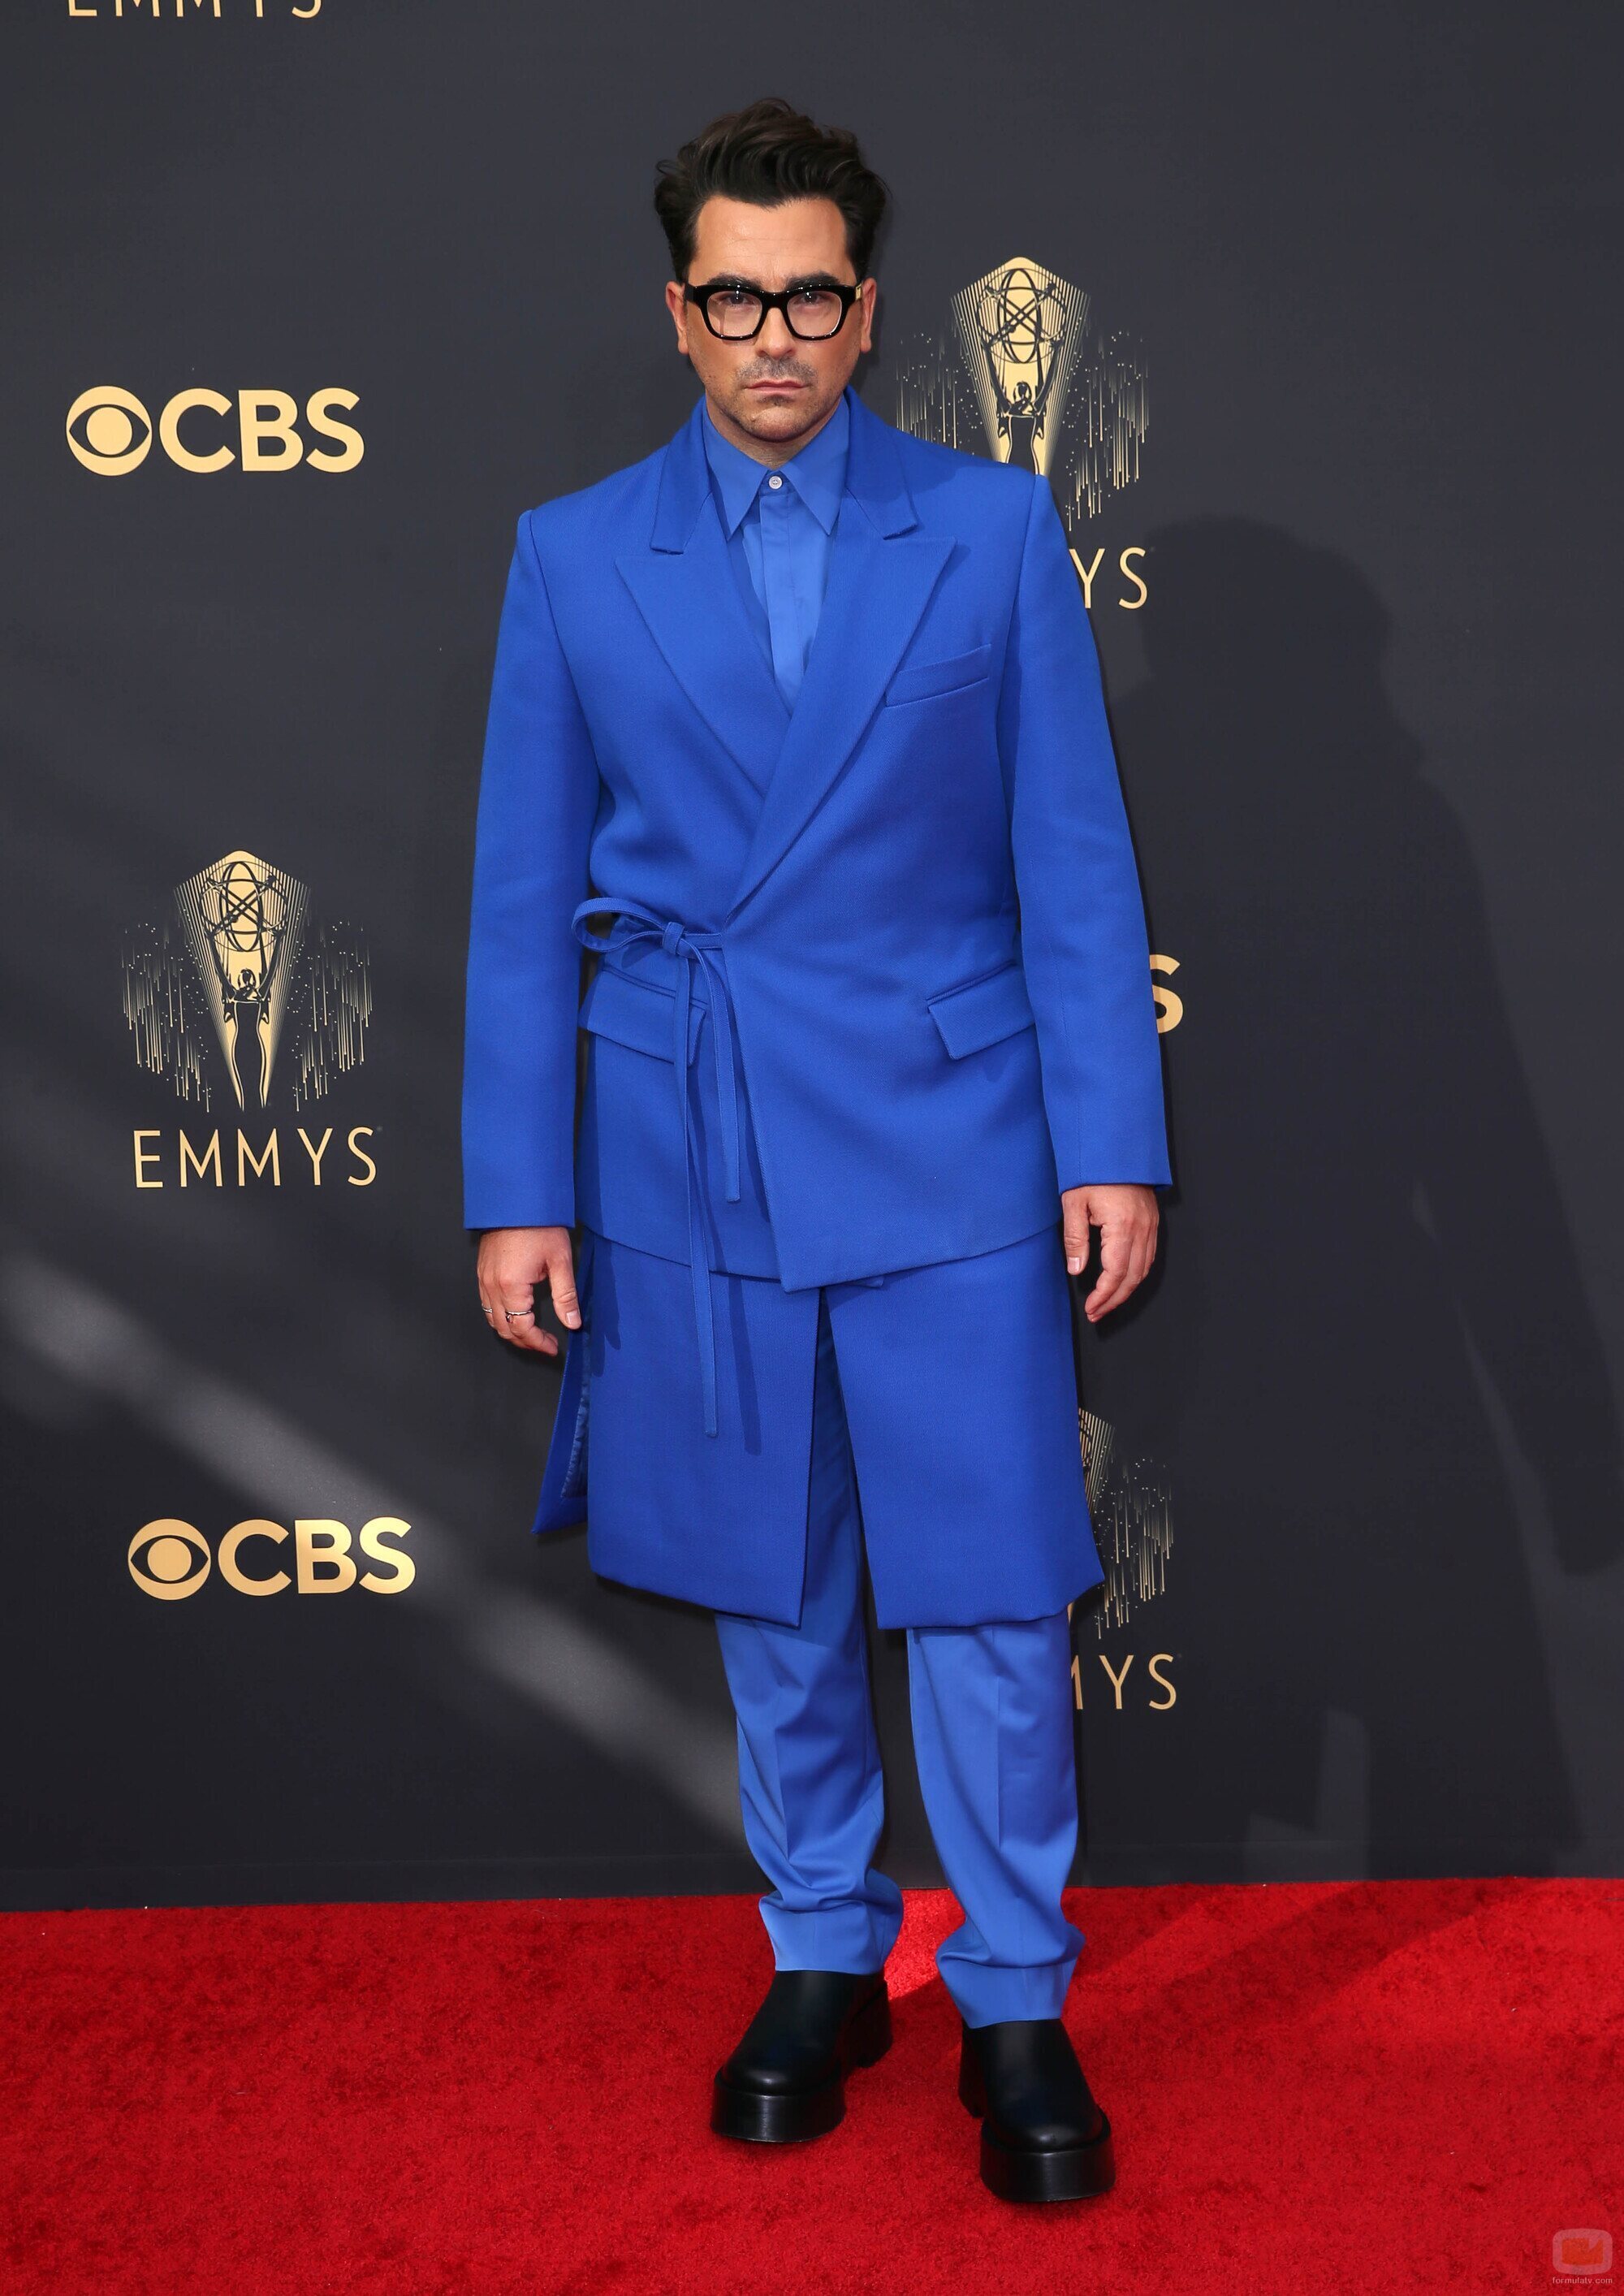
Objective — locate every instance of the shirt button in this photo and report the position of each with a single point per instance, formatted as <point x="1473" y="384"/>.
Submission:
<point x="775" y="483"/>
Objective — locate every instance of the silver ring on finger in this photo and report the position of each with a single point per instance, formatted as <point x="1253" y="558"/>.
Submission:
<point x="514" y="1314"/>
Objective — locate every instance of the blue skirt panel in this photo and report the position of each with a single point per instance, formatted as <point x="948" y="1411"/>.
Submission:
<point x="960" y="1393"/>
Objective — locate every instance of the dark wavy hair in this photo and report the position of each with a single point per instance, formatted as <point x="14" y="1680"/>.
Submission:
<point x="765" y="154"/>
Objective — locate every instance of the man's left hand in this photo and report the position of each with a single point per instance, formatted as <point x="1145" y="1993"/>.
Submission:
<point x="1128" y="1217"/>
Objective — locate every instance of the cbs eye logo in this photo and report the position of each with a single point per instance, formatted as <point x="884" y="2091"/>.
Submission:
<point x="170" y="1560"/>
<point x="111" y="432"/>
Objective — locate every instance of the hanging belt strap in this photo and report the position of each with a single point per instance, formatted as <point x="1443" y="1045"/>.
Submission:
<point x="696" y="950"/>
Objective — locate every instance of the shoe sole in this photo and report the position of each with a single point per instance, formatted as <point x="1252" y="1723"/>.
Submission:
<point x="758" y="2119"/>
<point x="1073" y="2172"/>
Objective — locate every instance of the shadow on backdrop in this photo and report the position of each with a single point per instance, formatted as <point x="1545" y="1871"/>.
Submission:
<point x="1366" y="1226"/>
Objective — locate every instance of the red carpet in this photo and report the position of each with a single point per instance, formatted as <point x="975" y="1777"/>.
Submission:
<point x="1348" y="2087"/>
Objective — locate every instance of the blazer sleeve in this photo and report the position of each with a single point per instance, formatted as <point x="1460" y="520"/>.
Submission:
<point x="539" y="796"/>
<point x="1083" y="931"/>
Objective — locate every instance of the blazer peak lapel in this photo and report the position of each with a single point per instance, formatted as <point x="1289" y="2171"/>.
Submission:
<point x="686" y="589"/>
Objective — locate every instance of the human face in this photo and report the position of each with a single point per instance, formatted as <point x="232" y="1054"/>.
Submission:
<point x="770" y="395"/>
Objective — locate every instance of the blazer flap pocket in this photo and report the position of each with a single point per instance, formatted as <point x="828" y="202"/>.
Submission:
<point x="982" y="1011"/>
<point x="644" y="1018"/>
<point x="920" y="679"/>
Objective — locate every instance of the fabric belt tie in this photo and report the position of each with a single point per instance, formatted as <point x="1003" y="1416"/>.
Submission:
<point x="696" y="950"/>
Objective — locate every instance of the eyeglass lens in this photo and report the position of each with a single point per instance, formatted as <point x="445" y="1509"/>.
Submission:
<point x="811" y="312"/>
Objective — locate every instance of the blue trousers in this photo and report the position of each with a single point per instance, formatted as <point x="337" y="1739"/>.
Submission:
<point x="992" y="1713"/>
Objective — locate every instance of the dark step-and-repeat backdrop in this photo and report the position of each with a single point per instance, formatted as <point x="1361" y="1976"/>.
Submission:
<point x="1305" y="316"/>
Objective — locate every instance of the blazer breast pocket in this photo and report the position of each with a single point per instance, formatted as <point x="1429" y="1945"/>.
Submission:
<point x="643" y="1017"/>
<point x="920" y="680"/>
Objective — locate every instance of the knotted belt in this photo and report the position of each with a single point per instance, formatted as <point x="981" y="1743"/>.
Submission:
<point x="696" y="950"/>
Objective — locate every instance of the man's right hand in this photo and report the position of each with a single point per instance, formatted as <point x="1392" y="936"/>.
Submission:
<point x="513" y="1261"/>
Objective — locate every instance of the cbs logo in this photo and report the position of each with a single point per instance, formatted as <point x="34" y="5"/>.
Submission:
<point x="170" y="1560"/>
<point x="111" y="432"/>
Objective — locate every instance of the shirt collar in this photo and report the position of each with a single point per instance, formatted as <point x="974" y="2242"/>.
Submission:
<point x="817" y="473"/>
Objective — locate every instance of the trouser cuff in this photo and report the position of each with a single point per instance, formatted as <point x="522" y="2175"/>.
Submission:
<point x="855" y="1936"/>
<point x="986" y="1994"/>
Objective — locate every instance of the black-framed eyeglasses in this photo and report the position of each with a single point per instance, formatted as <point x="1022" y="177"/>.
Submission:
<point x="735" y="309"/>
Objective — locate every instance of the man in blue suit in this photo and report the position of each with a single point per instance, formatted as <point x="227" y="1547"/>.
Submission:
<point x="810" y="711"/>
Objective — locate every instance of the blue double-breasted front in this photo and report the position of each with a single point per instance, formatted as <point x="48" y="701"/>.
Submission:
<point x="877" y="985"/>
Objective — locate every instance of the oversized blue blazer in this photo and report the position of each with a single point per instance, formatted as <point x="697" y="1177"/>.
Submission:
<point x="897" y="936"/>
<point x="920" y="887"/>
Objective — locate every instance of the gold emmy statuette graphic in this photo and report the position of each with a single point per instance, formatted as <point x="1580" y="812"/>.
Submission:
<point x="245" y="921"/>
<point x="1021" y="329"/>
<point x="241" y="984"/>
<point x="1022" y="373"/>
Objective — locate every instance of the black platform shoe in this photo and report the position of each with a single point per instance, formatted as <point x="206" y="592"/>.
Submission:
<point x="1043" y="2137"/>
<point x="786" y="2078"/>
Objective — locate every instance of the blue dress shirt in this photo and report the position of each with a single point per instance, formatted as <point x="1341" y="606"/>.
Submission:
<point x="779" y="525"/>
